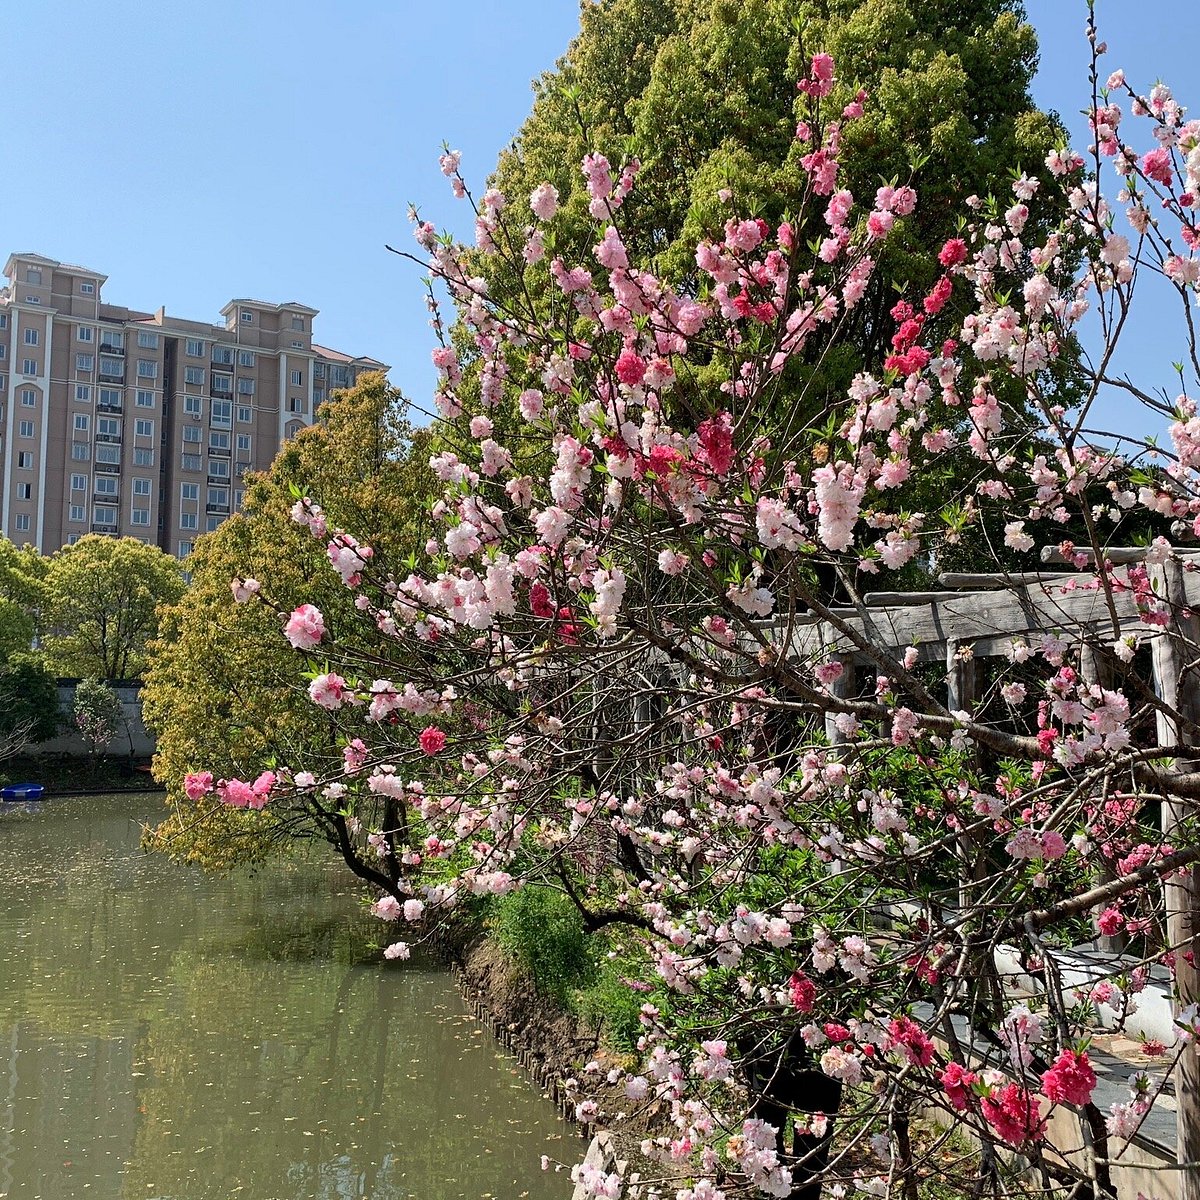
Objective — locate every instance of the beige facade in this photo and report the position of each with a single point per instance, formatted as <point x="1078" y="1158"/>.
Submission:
<point x="139" y="424"/>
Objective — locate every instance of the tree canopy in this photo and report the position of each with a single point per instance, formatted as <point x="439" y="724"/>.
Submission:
<point x="220" y="688"/>
<point x="100" y="602"/>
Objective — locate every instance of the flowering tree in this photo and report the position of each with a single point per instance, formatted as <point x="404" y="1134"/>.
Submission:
<point x="615" y="672"/>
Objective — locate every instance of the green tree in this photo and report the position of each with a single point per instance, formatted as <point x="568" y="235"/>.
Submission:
<point x="22" y="572"/>
<point x="28" y="704"/>
<point x="96" y="714"/>
<point x="100" y="609"/>
<point x="704" y="93"/>
<point x="221" y="686"/>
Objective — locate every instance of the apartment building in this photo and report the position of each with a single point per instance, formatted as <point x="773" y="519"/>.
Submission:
<point x="140" y="424"/>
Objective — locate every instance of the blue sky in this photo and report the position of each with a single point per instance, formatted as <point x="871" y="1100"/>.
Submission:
<point x="196" y="152"/>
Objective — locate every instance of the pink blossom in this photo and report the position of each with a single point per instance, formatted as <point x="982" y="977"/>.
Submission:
<point x="198" y="784"/>
<point x="432" y="740"/>
<point x="1070" y="1080"/>
<point x="544" y="201"/>
<point x="630" y="367"/>
<point x="398" y="950"/>
<point x="305" y="627"/>
<point x="243" y="589"/>
<point x="1157" y="166"/>
<point x="327" y="691"/>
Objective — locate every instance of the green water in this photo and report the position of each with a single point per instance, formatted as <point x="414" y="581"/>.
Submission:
<point x="164" y="1035"/>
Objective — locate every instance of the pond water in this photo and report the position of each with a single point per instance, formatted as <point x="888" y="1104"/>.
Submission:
<point x="164" y="1035"/>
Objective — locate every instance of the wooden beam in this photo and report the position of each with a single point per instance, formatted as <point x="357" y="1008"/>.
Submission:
<point x="971" y="581"/>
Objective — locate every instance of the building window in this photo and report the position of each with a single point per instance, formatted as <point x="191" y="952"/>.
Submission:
<point x="112" y="339"/>
<point x="3" y="350"/>
<point x="143" y="456"/>
<point x="222" y="384"/>
<point x="297" y="345"/>
<point x="79" y="483"/>
<point x="145" y="399"/>
<point x="33" y="275"/>
<point x="185" y="548"/>
<point x="193" y="375"/>
<point x="194" y="348"/>
<point x="85" y="362"/>
<point x="31" y="337"/>
<point x="147" y="369"/>
<point x="24" y="491"/>
<point x="80" y="451"/>
<point x="25" y="429"/>
<point x="21" y="522"/>
<point x="82" y="422"/>
<point x="190" y="462"/>
<point x="297" y="378"/>
<point x="191" y="433"/>
<point x="33" y="299"/>
<point x="191" y="406"/>
<point x="147" y="339"/>
<point x="109" y="454"/>
<point x="76" y="513"/>
<point x="106" y="427"/>
<point x="25" y="460"/>
<point x="247" y="358"/>
<point x="28" y="398"/>
<point x="106" y="485"/>
<point x="3" y="382"/>
<point x="83" y="393"/>
<point x="295" y="404"/>
<point x="222" y="356"/>
<point x="245" y="387"/>
<point x="218" y="440"/>
<point x="243" y="443"/>
<point x="218" y="468"/>
<point x="212" y="524"/>
<point x="85" y="333"/>
<point x="189" y="491"/>
<point x="111" y="397"/>
<point x="87" y="288"/>
<point x="237" y="498"/>
<point x="3" y="320"/>
<point x="143" y="427"/>
<point x="246" y="316"/>
<point x="112" y="366"/>
<point x="104" y="516"/>
<point x="29" y="366"/>
<point x="141" y="487"/>
<point x="221" y="410"/>
<point x="139" y="516"/>
<point x="187" y="520"/>
<point x="218" y="496"/>
<point x="245" y="414"/>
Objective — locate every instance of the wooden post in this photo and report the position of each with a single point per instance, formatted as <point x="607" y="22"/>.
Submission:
<point x="842" y="688"/>
<point x="1173" y="652"/>
<point x="961" y="678"/>
<point x="1092" y="670"/>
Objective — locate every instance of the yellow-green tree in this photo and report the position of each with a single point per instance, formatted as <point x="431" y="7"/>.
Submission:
<point x="100" y="605"/>
<point x="221" y="692"/>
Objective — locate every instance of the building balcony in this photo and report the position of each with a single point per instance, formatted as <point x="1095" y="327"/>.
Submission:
<point x="111" y="530"/>
<point x="111" y="439"/>
<point x="219" y="452"/>
<point x="217" y="510"/>
<point x="114" y="351"/>
<point x="105" y="407"/>
<point x="104" y="377"/>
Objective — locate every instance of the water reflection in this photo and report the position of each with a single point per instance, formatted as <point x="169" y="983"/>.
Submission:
<point x="165" y="1035"/>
